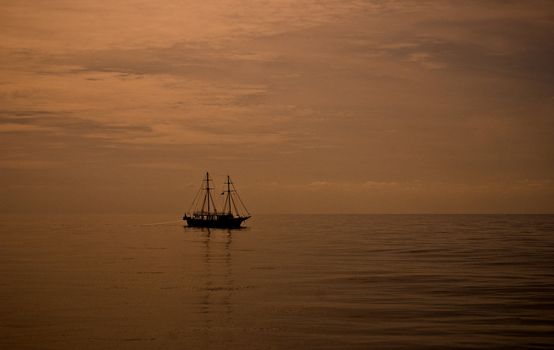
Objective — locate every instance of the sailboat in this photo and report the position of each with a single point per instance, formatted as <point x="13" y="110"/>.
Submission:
<point x="203" y="211"/>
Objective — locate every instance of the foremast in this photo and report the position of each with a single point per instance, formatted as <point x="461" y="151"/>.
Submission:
<point x="230" y="202"/>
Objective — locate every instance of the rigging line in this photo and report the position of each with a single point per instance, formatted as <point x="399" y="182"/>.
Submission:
<point x="241" y="202"/>
<point x="225" y="202"/>
<point x="213" y="202"/>
<point x="228" y="202"/>
<point x="222" y="191"/>
<point x="235" y="206"/>
<point x="204" y="202"/>
<point x="194" y="201"/>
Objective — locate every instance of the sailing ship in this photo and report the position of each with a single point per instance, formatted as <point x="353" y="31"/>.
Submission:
<point x="203" y="211"/>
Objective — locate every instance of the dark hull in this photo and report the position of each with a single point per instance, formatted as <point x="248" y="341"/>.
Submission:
<point x="215" y="222"/>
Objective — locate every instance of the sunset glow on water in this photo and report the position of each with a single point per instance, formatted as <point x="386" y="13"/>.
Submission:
<point x="296" y="282"/>
<point x="394" y="157"/>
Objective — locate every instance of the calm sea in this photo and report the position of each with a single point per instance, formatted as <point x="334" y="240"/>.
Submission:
<point x="285" y="282"/>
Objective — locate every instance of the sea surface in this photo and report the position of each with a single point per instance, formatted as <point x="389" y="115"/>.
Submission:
<point x="285" y="282"/>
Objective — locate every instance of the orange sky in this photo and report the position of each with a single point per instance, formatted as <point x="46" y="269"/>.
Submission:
<point x="312" y="106"/>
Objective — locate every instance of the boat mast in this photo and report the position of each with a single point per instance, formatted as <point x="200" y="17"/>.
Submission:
<point x="208" y="190"/>
<point x="208" y="197"/>
<point x="228" y="199"/>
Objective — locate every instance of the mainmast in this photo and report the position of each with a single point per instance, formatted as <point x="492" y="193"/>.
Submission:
<point x="208" y="197"/>
<point x="208" y="189"/>
<point x="228" y="199"/>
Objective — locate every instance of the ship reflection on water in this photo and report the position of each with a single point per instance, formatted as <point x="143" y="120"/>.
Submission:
<point x="286" y="282"/>
<point x="216" y="294"/>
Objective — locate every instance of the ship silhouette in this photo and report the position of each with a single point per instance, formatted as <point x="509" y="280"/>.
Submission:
<point x="203" y="211"/>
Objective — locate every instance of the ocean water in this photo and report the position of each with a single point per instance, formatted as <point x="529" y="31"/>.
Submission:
<point x="285" y="282"/>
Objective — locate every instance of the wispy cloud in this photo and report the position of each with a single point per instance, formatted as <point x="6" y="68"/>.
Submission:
<point x="387" y="97"/>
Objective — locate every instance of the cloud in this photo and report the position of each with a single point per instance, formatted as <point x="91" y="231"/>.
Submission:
<point x="425" y="59"/>
<point x="387" y="98"/>
<point x="17" y="128"/>
<point x="26" y="164"/>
